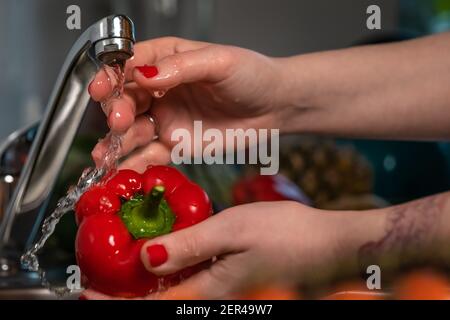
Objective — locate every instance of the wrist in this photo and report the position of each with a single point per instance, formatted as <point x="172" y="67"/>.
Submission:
<point x="349" y="231"/>
<point x="332" y="235"/>
<point x="295" y="92"/>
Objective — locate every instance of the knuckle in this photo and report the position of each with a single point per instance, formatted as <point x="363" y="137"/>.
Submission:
<point x="231" y="223"/>
<point x="164" y="42"/>
<point x="178" y="62"/>
<point x="232" y="218"/>
<point x="188" y="246"/>
<point x="169" y="39"/>
<point x="225" y="54"/>
<point x="223" y="57"/>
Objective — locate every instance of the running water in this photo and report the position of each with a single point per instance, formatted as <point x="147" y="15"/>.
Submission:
<point x="89" y="177"/>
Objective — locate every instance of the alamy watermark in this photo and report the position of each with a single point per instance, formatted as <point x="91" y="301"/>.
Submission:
<point x="73" y="281"/>
<point x="373" y="22"/>
<point x="373" y="281"/>
<point x="232" y="146"/>
<point x="73" y="21"/>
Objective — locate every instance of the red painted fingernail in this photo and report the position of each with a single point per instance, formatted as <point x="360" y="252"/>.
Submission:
<point x="157" y="255"/>
<point x="82" y="297"/>
<point x="148" y="71"/>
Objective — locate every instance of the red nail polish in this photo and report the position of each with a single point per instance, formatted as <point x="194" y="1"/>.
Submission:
<point x="148" y="71"/>
<point x="157" y="255"/>
<point x="82" y="297"/>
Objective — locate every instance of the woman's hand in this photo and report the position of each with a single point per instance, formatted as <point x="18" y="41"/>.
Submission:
<point x="270" y="242"/>
<point x="255" y="244"/>
<point x="224" y="86"/>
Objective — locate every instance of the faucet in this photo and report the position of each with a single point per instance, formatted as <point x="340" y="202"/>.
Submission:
<point x="109" y="41"/>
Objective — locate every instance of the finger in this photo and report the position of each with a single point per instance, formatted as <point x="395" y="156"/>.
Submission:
<point x="154" y="153"/>
<point x="141" y="133"/>
<point x="100" y="149"/>
<point x="146" y="52"/>
<point x="173" y="252"/>
<point x="100" y="87"/>
<point x="120" y="114"/>
<point x="103" y="84"/>
<point x="121" y="111"/>
<point x="150" y="51"/>
<point x="210" y="64"/>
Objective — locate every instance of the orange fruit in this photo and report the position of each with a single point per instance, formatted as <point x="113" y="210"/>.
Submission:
<point x="422" y="285"/>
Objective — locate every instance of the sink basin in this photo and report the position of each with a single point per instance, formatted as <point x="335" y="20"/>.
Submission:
<point x="34" y="294"/>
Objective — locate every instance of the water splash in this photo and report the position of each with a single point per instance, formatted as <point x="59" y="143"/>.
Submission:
<point x="89" y="177"/>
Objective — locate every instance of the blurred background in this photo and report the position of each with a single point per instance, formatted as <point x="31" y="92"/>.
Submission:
<point x="34" y="42"/>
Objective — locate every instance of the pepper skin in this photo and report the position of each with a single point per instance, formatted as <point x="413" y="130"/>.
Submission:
<point x="117" y="218"/>
<point x="267" y="188"/>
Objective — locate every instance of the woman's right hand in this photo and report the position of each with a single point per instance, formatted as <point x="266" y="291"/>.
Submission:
<point x="225" y="87"/>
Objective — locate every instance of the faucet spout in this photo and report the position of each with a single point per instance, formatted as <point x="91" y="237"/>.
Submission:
<point x="115" y="40"/>
<point x="109" y="41"/>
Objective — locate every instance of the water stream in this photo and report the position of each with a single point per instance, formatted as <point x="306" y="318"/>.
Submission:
<point x="89" y="177"/>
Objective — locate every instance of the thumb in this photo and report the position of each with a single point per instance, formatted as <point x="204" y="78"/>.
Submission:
<point x="211" y="64"/>
<point x="184" y="248"/>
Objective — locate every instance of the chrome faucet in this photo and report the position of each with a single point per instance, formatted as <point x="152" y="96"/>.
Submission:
<point x="109" y="41"/>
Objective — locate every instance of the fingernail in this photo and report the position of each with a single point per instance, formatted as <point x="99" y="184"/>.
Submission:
<point x="148" y="71"/>
<point x="82" y="297"/>
<point x="157" y="255"/>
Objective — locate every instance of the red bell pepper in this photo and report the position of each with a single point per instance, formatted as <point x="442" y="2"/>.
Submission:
<point x="267" y="188"/>
<point x="117" y="217"/>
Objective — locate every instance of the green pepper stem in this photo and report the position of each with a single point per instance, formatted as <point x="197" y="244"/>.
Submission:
<point x="152" y="200"/>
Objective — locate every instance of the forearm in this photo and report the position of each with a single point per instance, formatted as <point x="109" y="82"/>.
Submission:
<point x="398" y="90"/>
<point x="405" y="228"/>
